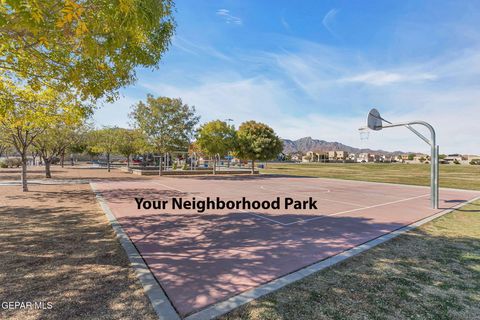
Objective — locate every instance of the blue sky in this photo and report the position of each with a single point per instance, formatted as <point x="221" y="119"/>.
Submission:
<point x="315" y="68"/>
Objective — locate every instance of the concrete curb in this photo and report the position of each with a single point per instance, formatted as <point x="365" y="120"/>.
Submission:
<point x="160" y="302"/>
<point x="228" y="305"/>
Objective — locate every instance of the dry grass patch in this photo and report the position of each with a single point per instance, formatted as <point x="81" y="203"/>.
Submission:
<point x="56" y="246"/>
<point x="430" y="273"/>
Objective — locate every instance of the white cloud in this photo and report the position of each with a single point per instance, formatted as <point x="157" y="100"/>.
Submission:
<point x="229" y="18"/>
<point x="381" y="78"/>
<point x="329" y="19"/>
<point x="197" y="49"/>
<point x="285" y="24"/>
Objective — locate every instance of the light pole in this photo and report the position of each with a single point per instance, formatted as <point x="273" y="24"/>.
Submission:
<point x="375" y="122"/>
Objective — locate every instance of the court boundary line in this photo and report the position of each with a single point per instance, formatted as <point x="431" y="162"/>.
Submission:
<point x="159" y="300"/>
<point x="359" y="209"/>
<point x="223" y="307"/>
<point x="366" y="182"/>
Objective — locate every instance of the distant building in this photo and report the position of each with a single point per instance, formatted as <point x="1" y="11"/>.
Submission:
<point x="453" y="158"/>
<point x="365" y="157"/>
<point x="332" y="155"/>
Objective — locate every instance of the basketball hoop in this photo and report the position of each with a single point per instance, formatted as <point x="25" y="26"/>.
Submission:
<point x="364" y="133"/>
<point x="375" y="122"/>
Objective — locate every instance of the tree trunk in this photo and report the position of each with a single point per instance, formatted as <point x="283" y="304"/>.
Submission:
<point x="48" y="173"/>
<point x="160" y="160"/>
<point x="128" y="162"/>
<point x="72" y="162"/>
<point x="253" y="166"/>
<point x="62" y="159"/>
<point x="108" y="162"/>
<point x="24" y="173"/>
<point x="214" y="165"/>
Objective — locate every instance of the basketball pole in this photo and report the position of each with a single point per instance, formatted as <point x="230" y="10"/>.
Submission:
<point x="434" y="150"/>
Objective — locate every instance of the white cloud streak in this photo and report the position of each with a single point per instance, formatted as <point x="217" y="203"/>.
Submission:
<point x="329" y="19"/>
<point x="381" y="78"/>
<point x="229" y="18"/>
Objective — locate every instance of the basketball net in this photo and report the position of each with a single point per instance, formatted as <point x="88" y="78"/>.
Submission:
<point x="364" y="133"/>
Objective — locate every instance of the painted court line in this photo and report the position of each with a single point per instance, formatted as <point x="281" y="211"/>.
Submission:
<point x="359" y="209"/>
<point x="302" y="195"/>
<point x="232" y="303"/>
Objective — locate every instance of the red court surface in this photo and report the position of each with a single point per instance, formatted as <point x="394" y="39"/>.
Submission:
<point x="203" y="258"/>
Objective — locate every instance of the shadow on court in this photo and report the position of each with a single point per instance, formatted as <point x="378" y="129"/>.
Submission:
<point x="202" y="258"/>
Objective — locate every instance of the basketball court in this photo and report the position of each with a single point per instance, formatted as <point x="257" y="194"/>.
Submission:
<point x="200" y="259"/>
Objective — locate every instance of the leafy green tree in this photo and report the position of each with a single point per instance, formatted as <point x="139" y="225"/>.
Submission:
<point x="257" y="141"/>
<point x="129" y="142"/>
<point x="25" y="113"/>
<point x="5" y="145"/>
<point x="53" y="142"/>
<point x="90" y="46"/>
<point x="216" y="137"/>
<point x="411" y="156"/>
<point x="104" y="141"/>
<point x="79" y="141"/>
<point x="167" y="124"/>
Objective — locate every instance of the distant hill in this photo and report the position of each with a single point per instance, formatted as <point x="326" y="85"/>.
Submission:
<point x="308" y="144"/>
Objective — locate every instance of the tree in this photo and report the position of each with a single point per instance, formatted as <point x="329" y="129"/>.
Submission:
<point x="216" y="137"/>
<point x="167" y="124"/>
<point x="53" y="142"/>
<point x="257" y="141"/>
<point x="129" y="142"/>
<point x="25" y="113"/>
<point x="90" y="46"/>
<point x="4" y="144"/>
<point x="104" y="141"/>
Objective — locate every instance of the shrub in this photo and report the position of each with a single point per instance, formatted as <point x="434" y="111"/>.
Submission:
<point x="185" y="166"/>
<point x="3" y="164"/>
<point x="456" y="161"/>
<point x="174" y="166"/>
<point x="13" y="162"/>
<point x="475" y="162"/>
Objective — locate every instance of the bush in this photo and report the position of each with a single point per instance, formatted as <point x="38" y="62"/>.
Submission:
<point x="13" y="162"/>
<point x="475" y="162"/>
<point x="174" y="166"/>
<point x="3" y="164"/>
<point x="185" y="166"/>
<point x="456" y="161"/>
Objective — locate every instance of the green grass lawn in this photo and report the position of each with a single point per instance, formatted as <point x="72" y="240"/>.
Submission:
<point x="451" y="176"/>
<point x="432" y="272"/>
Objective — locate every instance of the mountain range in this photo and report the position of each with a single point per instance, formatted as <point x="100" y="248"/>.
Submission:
<point x="308" y="144"/>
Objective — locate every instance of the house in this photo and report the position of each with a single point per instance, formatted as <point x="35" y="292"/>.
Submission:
<point x="352" y="157"/>
<point x="332" y="155"/>
<point x="365" y="157"/>
<point x="453" y="158"/>
<point x="421" y="158"/>
<point x="342" y="155"/>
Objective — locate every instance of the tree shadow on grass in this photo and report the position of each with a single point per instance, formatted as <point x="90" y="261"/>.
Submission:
<point x="66" y="254"/>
